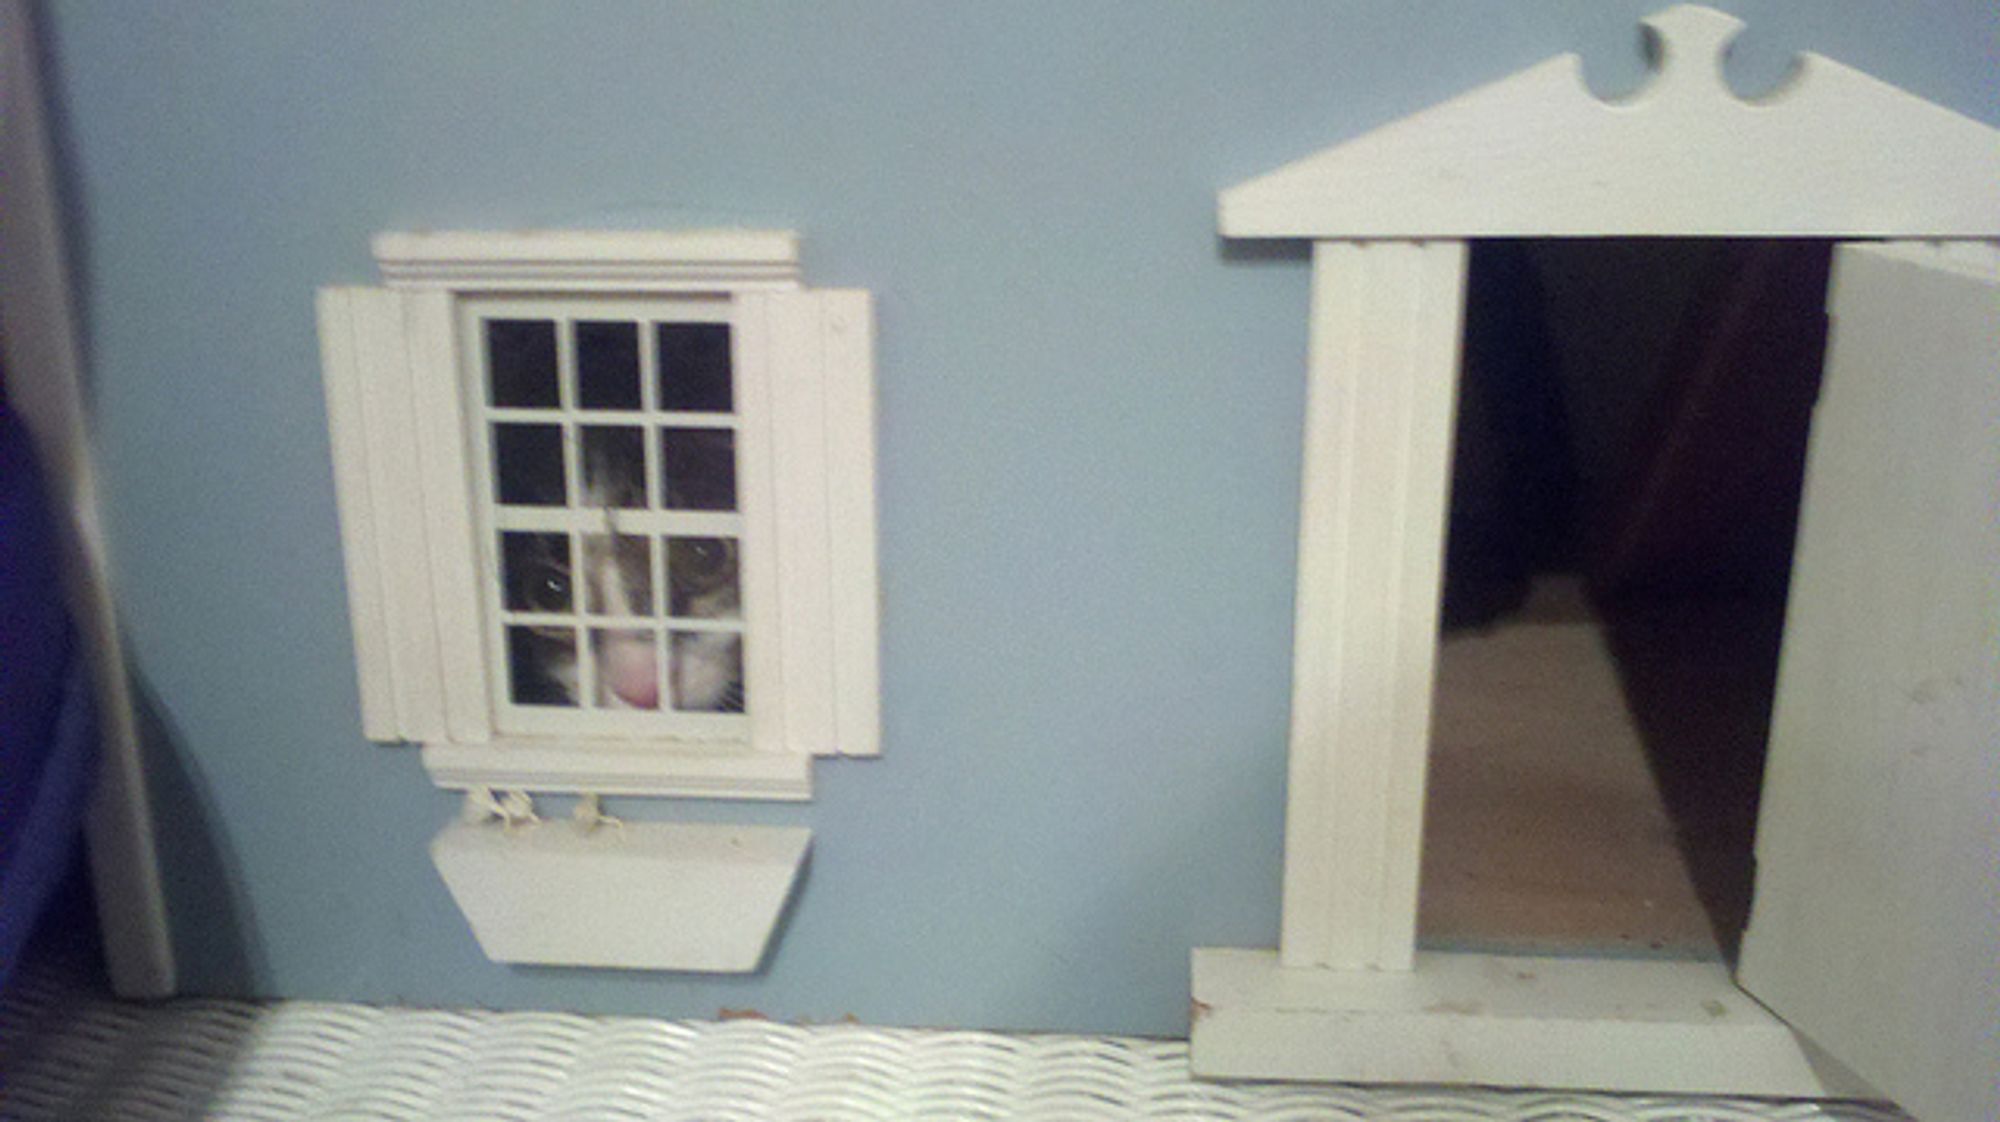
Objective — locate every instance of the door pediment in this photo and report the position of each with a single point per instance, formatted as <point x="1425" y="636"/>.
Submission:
<point x="1832" y="152"/>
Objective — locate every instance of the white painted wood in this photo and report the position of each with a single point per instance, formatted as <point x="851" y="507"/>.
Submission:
<point x="819" y="377"/>
<point x="849" y="379"/>
<point x="1876" y="923"/>
<point x="591" y="260"/>
<point x="367" y="610"/>
<point x="662" y="769"/>
<point x="1383" y="368"/>
<point x="641" y="895"/>
<point x="396" y="502"/>
<point x="1557" y="1023"/>
<point x="45" y="388"/>
<point x="1833" y="152"/>
<point x="443" y="454"/>
<point x="764" y="681"/>
<point x="804" y="554"/>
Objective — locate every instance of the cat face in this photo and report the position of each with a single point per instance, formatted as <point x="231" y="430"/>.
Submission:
<point x="614" y="577"/>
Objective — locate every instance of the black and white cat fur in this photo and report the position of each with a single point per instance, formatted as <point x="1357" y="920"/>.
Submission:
<point x="706" y="666"/>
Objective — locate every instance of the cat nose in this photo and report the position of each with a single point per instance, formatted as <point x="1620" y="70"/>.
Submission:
<point x="632" y="673"/>
<point x="640" y="694"/>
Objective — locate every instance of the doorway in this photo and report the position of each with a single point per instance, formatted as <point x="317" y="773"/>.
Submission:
<point x="1629" y="453"/>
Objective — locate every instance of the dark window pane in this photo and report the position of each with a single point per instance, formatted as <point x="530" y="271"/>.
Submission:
<point x="618" y="572"/>
<point x="541" y="665"/>
<point x="535" y="572"/>
<point x="695" y="367"/>
<point x="698" y="469"/>
<point x="521" y="363"/>
<point x="528" y="465"/>
<point x="607" y="365"/>
<point x="701" y="578"/>
<point x="614" y="466"/>
<point x="708" y="671"/>
<point x="628" y="668"/>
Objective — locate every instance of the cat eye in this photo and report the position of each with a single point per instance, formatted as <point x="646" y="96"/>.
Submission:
<point x="535" y="571"/>
<point x="701" y="578"/>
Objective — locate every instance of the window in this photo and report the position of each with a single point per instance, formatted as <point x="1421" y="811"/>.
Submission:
<point x="608" y="509"/>
<point x="611" y="527"/>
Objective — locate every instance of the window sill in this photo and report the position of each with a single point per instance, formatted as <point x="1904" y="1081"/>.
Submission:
<point x="667" y="770"/>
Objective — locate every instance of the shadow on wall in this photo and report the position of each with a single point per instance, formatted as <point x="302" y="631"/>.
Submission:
<point x="214" y="948"/>
<point x="1253" y="251"/>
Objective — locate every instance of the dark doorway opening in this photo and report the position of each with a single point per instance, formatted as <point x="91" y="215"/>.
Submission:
<point x="1630" y="448"/>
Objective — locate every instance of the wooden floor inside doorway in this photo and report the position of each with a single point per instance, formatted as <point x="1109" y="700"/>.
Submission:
<point x="1546" y="829"/>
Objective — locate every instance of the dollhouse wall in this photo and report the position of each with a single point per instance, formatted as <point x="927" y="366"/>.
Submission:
<point x="1089" y="439"/>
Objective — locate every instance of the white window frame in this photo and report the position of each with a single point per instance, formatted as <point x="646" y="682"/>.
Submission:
<point x="414" y="489"/>
<point x="750" y="523"/>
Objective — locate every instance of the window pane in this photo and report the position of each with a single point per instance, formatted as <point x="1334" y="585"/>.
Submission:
<point x="614" y="466"/>
<point x="607" y="365"/>
<point x="695" y="367"/>
<point x="698" y="468"/>
<point x="541" y="665"/>
<point x="618" y="570"/>
<point x="701" y="578"/>
<point x="528" y="465"/>
<point x="708" y="671"/>
<point x="521" y="363"/>
<point x="535" y="572"/>
<point x="628" y="668"/>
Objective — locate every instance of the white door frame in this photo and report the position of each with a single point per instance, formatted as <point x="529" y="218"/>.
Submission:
<point x="1835" y="153"/>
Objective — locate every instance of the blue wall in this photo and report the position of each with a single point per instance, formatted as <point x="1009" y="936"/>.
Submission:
<point x="1089" y="444"/>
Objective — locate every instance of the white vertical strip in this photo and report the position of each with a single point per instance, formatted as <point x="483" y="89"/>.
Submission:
<point x="447" y="499"/>
<point x="850" y="498"/>
<point x="798" y="457"/>
<point x="347" y="429"/>
<point x="1430" y="403"/>
<point x="756" y="496"/>
<point x="45" y="387"/>
<point x="1383" y="366"/>
<point x="1305" y="937"/>
<point x="395" y="485"/>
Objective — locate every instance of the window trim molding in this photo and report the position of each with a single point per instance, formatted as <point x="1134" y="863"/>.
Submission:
<point x="574" y="765"/>
<point x="637" y="261"/>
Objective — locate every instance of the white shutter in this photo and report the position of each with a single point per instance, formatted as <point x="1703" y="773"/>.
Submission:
<point x="1876" y="925"/>
<point x="817" y="361"/>
<point x="400" y="477"/>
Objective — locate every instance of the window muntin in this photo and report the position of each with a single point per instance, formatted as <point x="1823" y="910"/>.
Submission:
<point x="604" y="435"/>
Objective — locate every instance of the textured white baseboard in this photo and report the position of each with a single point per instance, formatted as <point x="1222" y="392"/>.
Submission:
<point x="79" y="1057"/>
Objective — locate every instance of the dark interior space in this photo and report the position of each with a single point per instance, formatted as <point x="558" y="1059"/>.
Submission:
<point x="1629" y="453"/>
